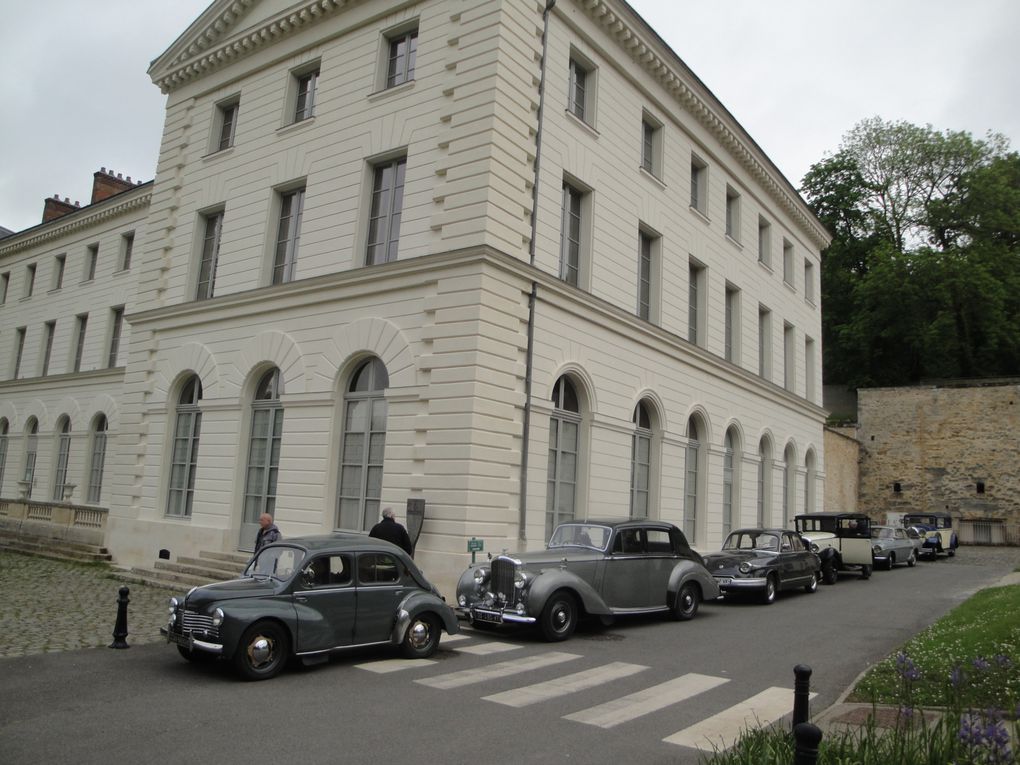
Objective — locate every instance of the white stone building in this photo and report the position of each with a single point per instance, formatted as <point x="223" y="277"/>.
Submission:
<point x="513" y="260"/>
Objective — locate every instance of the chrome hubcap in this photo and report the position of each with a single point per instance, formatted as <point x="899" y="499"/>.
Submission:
<point x="560" y="617"/>
<point x="418" y="635"/>
<point x="260" y="651"/>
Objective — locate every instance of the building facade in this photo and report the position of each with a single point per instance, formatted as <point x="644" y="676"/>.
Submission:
<point x="512" y="259"/>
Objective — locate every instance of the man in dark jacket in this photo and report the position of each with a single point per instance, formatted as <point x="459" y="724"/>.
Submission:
<point x="391" y="531"/>
<point x="267" y="532"/>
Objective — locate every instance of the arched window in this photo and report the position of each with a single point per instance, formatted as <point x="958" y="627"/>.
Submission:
<point x="731" y="481"/>
<point x="63" y="456"/>
<point x="184" y="460"/>
<point x="364" y="444"/>
<point x="564" y="432"/>
<point x="764" y="483"/>
<point x="789" y="484"/>
<point x="692" y="500"/>
<point x="99" y="427"/>
<point x="640" y="462"/>
<point x="263" y="451"/>
<point x="809" y="482"/>
<point x="4" y="427"/>
<point x="31" y="450"/>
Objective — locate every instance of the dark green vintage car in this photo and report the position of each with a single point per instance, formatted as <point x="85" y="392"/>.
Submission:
<point x="309" y="596"/>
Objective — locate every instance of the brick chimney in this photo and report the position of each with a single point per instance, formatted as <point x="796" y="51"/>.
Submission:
<point x="106" y="184"/>
<point x="54" y="208"/>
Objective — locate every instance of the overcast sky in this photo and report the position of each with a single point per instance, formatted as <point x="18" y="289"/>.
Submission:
<point x="797" y="74"/>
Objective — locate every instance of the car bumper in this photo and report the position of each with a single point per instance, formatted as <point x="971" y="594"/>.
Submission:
<point x="190" y="642"/>
<point x="492" y="615"/>
<point x="740" y="584"/>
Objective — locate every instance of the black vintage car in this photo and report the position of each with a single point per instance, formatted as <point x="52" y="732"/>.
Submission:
<point x="306" y="597"/>
<point x="600" y="568"/>
<point x="842" y="541"/>
<point x="763" y="562"/>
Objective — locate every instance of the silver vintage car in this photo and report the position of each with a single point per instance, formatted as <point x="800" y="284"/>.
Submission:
<point x="597" y="568"/>
<point x="891" y="545"/>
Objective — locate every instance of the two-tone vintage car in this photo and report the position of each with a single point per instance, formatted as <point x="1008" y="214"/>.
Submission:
<point x="762" y="562"/>
<point x="842" y="541"/>
<point x="891" y="545"/>
<point x="306" y="597"/>
<point x="603" y="569"/>
<point x="939" y="534"/>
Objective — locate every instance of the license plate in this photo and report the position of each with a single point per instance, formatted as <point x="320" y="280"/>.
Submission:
<point x="173" y="637"/>
<point x="724" y="580"/>
<point x="488" y="616"/>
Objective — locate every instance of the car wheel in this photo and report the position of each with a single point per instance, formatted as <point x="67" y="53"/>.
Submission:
<point x="685" y="607"/>
<point x="865" y="572"/>
<point x="911" y="559"/>
<point x="559" y="617"/>
<point x="951" y="552"/>
<point x="830" y="575"/>
<point x="768" y="595"/>
<point x="813" y="586"/>
<point x="198" y="657"/>
<point x="422" y="637"/>
<point x="891" y="562"/>
<point x="263" y="651"/>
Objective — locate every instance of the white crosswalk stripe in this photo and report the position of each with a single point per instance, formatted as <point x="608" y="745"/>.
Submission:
<point x="485" y="649"/>
<point x="561" y="686"/>
<point x="722" y="730"/>
<point x="385" y="666"/>
<point x="635" y="705"/>
<point x="454" y="638"/>
<point x="500" y="669"/>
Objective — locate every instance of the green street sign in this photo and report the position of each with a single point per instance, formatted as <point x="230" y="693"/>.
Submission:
<point x="475" y="545"/>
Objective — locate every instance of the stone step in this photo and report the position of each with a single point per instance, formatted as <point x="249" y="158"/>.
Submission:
<point x="228" y="569"/>
<point x="235" y="558"/>
<point x="176" y="580"/>
<point x="141" y="576"/>
<point x="197" y="570"/>
<point x="57" y="552"/>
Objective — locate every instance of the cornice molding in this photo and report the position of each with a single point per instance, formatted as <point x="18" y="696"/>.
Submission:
<point x="75" y="221"/>
<point x="670" y="74"/>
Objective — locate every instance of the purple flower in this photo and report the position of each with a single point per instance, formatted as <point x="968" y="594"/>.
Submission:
<point x="956" y="677"/>
<point x="1003" y="661"/>
<point x="980" y="664"/>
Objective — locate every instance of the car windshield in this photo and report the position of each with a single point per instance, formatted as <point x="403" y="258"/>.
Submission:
<point x="752" y="540"/>
<point x="588" y="535"/>
<point x="883" y="533"/>
<point x="276" y="562"/>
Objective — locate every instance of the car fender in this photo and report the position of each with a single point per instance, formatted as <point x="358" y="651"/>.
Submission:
<point x="827" y="555"/>
<point x="549" y="580"/>
<point x="421" y="602"/>
<point x="240" y="615"/>
<point x="689" y="571"/>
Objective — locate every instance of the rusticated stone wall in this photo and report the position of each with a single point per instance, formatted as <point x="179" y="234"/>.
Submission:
<point x="842" y="453"/>
<point x="952" y="448"/>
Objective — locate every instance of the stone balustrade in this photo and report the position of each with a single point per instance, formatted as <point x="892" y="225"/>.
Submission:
<point x="54" y="520"/>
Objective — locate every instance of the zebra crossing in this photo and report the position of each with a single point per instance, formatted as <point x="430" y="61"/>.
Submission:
<point x="713" y="733"/>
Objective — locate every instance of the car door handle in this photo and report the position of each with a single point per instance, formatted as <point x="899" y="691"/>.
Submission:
<point x="300" y="598"/>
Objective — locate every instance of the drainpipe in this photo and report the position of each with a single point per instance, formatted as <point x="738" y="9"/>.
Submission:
<point x="529" y="359"/>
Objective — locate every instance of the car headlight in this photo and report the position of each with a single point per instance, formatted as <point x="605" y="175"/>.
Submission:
<point x="481" y="576"/>
<point x="217" y="617"/>
<point x="876" y="549"/>
<point x="744" y="568"/>
<point x="461" y="600"/>
<point x="520" y="580"/>
<point x="172" y="605"/>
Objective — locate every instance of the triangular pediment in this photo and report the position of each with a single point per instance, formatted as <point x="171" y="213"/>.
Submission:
<point x="231" y="29"/>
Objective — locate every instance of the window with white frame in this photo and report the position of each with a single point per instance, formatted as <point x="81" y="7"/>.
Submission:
<point x="810" y="375"/>
<point x="210" y="253"/>
<point x="81" y="324"/>
<point x="19" y="350"/>
<point x="641" y="462"/>
<point x="288" y="235"/>
<point x="363" y="449"/>
<point x="732" y="214"/>
<point x="60" y="485"/>
<point x="29" y="280"/>
<point x="731" y="482"/>
<point x="98" y="461"/>
<point x="127" y="246"/>
<point x="789" y="485"/>
<point x="789" y="357"/>
<point x="31" y="453"/>
<point x="788" y="262"/>
<point x="572" y="234"/>
<point x="305" y="82"/>
<point x="648" y="267"/>
<point x="402" y="53"/>
<point x="184" y="452"/>
<point x="699" y="184"/>
<point x="116" y="328"/>
<point x="732" y="325"/>
<point x="91" y="261"/>
<point x="764" y="342"/>
<point x="564" y="455"/>
<point x="764" y="242"/>
<point x="764" y="483"/>
<point x="49" y="330"/>
<point x="809" y="482"/>
<point x="697" y="276"/>
<point x="5" y="283"/>
<point x="651" y="145"/>
<point x="58" y="270"/>
<point x="226" y="123"/>
<point x="4" y="428"/>
<point x="809" y="281"/>
<point x="264" y="444"/>
<point x="581" y="88"/>
<point x="694" y="456"/>
<point x="386" y="208"/>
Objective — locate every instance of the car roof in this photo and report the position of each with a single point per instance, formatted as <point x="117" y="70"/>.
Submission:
<point x="339" y="540"/>
<point x="756" y="530"/>
<point x="857" y="516"/>
<point x="621" y="522"/>
<point x="931" y="514"/>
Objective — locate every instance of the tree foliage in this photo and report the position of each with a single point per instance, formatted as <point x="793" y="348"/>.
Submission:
<point x="922" y="278"/>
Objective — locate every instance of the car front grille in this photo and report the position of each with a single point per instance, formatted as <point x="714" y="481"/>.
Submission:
<point x="192" y="621"/>
<point x="502" y="580"/>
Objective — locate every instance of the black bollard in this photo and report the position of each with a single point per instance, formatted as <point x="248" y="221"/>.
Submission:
<point x="120" y="630"/>
<point x="801" y="693"/>
<point x="807" y="737"/>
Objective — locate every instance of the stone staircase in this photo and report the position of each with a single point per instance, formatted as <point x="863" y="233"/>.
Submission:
<point x="54" y="549"/>
<point x="187" y="572"/>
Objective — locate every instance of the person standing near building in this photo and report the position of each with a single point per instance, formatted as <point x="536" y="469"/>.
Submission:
<point x="267" y="532"/>
<point x="391" y="531"/>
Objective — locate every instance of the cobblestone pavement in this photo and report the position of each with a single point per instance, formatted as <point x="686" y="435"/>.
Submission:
<point x="48" y="605"/>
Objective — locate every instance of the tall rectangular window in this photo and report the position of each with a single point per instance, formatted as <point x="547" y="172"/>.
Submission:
<point x="646" y="254"/>
<point x="386" y="208"/>
<point x="127" y="246"/>
<point x="29" y="280"/>
<point x="91" y="259"/>
<point x="116" y="327"/>
<point x="5" y="283"/>
<point x="210" y="254"/>
<point x="400" y="62"/>
<point x="732" y="214"/>
<point x="764" y="242"/>
<point x="81" y="322"/>
<point x="732" y="330"/>
<point x="809" y="281"/>
<point x="696" y="303"/>
<point x="810" y="376"/>
<point x="226" y="117"/>
<point x="570" y="235"/>
<point x="288" y="234"/>
<point x="765" y="342"/>
<point x="651" y="145"/>
<point x="58" y="271"/>
<point x="580" y="92"/>
<point x="789" y="357"/>
<point x="699" y="185"/>
<point x="787" y="262"/>
<point x="304" y="106"/>
<point x="19" y="350"/>
<point x="48" y="332"/>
